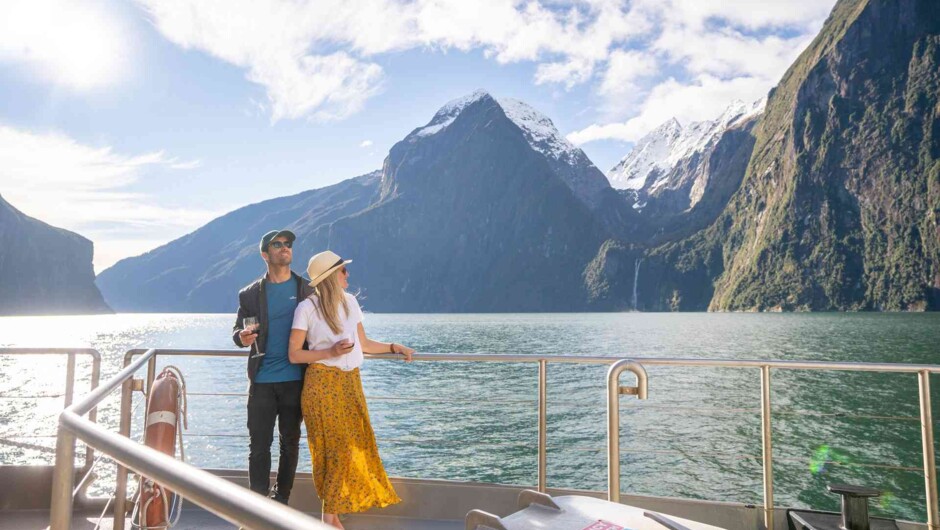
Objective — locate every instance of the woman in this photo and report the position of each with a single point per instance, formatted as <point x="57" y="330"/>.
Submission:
<point x="347" y="470"/>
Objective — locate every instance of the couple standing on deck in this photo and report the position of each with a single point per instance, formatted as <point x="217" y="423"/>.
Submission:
<point x="304" y="363"/>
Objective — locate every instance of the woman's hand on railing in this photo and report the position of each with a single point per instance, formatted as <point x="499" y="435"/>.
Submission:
<point x="401" y="349"/>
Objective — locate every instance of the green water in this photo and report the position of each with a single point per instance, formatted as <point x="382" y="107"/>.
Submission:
<point x="698" y="434"/>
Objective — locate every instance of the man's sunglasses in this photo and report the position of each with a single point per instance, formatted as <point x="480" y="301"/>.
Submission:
<point x="279" y="244"/>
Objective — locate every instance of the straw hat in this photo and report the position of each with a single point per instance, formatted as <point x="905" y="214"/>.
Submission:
<point x="322" y="265"/>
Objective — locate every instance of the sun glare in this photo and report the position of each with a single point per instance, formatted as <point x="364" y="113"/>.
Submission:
<point x="76" y="44"/>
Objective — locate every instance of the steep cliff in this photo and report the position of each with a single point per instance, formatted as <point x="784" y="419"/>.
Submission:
<point x="44" y="270"/>
<point x="839" y="207"/>
<point x="831" y="199"/>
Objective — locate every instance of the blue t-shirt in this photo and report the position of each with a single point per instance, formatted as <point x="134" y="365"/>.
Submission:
<point x="275" y="365"/>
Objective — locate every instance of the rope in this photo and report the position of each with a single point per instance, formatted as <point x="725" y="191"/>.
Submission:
<point x="177" y="507"/>
<point x="183" y="409"/>
<point x="101" y="517"/>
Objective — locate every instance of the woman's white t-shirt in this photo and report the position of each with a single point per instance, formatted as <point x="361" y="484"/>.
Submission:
<point x="321" y="337"/>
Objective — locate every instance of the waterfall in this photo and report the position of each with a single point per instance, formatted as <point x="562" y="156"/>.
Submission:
<point x="636" y="277"/>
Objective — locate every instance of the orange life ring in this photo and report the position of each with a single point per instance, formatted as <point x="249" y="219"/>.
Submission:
<point x="162" y="418"/>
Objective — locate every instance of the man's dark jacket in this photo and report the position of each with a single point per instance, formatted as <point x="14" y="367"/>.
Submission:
<point x="253" y="302"/>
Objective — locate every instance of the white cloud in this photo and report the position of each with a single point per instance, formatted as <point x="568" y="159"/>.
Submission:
<point x="703" y="99"/>
<point x="727" y="52"/>
<point x="750" y="14"/>
<point x="715" y="54"/>
<point x="316" y="58"/>
<point x="82" y="188"/>
<point x="366" y="143"/>
<point x="624" y="70"/>
<point x="80" y="45"/>
<point x="319" y="58"/>
<point x="571" y="73"/>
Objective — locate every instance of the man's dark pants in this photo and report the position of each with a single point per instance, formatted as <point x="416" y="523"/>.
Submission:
<point x="267" y="401"/>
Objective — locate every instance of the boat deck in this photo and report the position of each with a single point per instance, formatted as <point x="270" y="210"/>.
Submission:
<point x="199" y="519"/>
<point x="426" y="505"/>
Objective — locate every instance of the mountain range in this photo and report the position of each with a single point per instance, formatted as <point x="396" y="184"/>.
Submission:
<point x="825" y="195"/>
<point x="485" y="208"/>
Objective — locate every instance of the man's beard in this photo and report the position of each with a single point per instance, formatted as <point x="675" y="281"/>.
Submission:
<point x="279" y="260"/>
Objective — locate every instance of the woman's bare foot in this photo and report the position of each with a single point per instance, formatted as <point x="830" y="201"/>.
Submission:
<point x="333" y="520"/>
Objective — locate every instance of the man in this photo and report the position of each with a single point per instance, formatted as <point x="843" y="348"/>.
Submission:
<point x="275" y="384"/>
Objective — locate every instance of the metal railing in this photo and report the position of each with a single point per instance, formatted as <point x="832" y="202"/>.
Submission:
<point x="226" y="499"/>
<point x="69" y="393"/>
<point x="923" y="372"/>
<point x="542" y="361"/>
<point x="243" y="507"/>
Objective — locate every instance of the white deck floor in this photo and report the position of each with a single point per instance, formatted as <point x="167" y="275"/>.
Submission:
<point x="197" y="519"/>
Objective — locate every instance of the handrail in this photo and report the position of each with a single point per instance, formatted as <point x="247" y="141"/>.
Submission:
<point x="923" y="371"/>
<point x="587" y="359"/>
<point x="613" y="417"/>
<point x="225" y="499"/>
<point x="69" y="377"/>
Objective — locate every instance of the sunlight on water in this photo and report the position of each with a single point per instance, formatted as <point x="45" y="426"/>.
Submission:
<point x="697" y="436"/>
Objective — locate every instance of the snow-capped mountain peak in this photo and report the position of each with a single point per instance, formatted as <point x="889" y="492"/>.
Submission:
<point x="649" y="153"/>
<point x="538" y="129"/>
<point x="668" y="144"/>
<point x="449" y="112"/>
<point x="567" y="160"/>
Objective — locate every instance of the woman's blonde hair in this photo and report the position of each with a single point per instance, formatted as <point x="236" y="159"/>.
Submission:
<point x="331" y="297"/>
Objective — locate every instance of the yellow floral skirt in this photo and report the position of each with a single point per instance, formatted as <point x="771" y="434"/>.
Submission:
<point x="347" y="470"/>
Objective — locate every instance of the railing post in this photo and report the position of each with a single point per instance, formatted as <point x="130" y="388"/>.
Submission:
<point x="613" y="418"/>
<point x="543" y="370"/>
<point x="70" y="380"/>
<point x="767" y="447"/>
<point x="120" y="487"/>
<point x="63" y="477"/>
<point x="930" y="465"/>
<point x="93" y="414"/>
<point x="151" y="375"/>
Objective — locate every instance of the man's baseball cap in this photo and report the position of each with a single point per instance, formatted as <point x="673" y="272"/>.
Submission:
<point x="273" y="234"/>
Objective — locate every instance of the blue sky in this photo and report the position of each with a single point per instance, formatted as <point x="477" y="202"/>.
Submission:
<point x="135" y="122"/>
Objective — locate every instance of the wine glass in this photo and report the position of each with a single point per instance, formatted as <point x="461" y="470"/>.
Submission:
<point x="250" y="323"/>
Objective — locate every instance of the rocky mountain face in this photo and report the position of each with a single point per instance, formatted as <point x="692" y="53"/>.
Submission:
<point x="677" y="180"/>
<point x="843" y="188"/>
<point x="44" y="270"/>
<point x="486" y="208"/>
<point x="840" y="203"/>
<point x="667" y="171"/>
